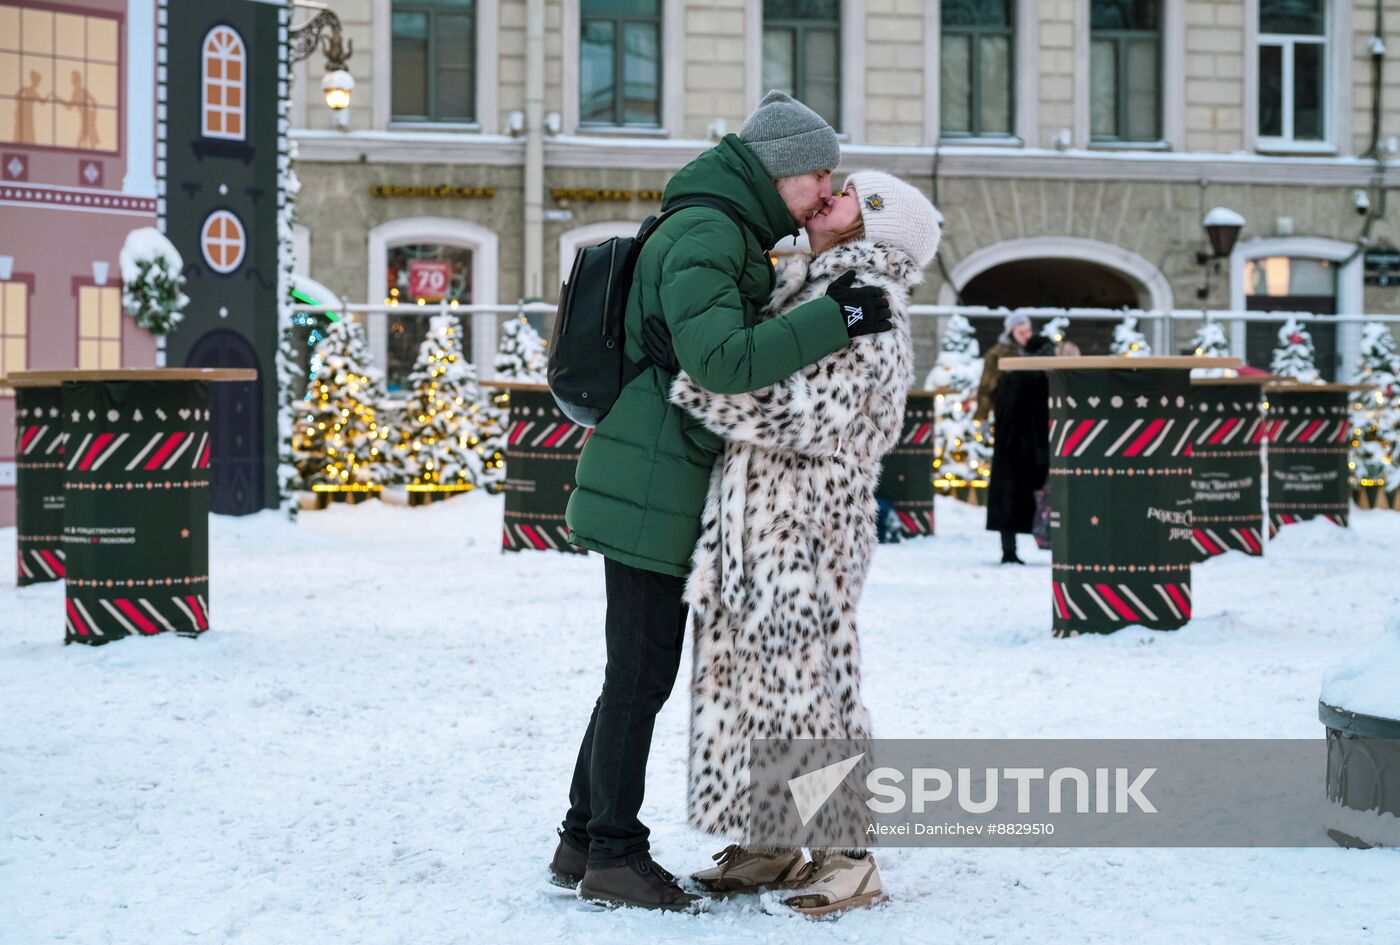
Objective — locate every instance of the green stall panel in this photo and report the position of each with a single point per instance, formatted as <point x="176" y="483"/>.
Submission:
<point x="1227" y="466"/>
<point x="39" y="437"/>
<point x="542" y="449"/>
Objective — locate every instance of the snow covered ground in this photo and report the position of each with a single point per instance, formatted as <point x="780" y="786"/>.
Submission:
<point x="374" y="743"/>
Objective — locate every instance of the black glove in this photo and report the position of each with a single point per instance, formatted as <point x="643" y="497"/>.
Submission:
<point x="656" y="342"/>
<point x="864" y="308"/>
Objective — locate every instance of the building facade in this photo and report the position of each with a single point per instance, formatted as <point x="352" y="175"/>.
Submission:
<point x="1073" y="146"/>
<point x="77" y="144"/>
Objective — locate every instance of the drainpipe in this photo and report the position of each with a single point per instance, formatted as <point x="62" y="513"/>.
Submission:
<point x="534" y="149"/>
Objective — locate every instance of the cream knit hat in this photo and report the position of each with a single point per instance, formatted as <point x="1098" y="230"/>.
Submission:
<point x="897" y="213"/>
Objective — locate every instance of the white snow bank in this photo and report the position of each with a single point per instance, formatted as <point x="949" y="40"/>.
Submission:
<point x="373" y="745"/>
<point x="1369" y="683"/>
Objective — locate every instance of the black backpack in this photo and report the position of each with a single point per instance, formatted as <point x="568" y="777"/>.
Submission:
<point x="587" y="367"/>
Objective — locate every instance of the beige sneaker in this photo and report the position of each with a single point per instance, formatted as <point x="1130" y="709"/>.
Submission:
<point x="746" y="871"/>
<point x="837" y="883"/>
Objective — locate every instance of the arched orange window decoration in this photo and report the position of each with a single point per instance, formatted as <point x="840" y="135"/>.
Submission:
<point x="225" y="84"/>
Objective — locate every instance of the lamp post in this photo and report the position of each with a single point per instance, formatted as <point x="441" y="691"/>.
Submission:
<point x="1222" y="226"/>
<point x="337" y="84"/>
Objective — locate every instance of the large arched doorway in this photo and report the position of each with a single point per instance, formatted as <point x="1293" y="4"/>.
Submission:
<point x="236" y="424"/>
<point x="1058" y="272"/>
<point x="1055" y="283"/>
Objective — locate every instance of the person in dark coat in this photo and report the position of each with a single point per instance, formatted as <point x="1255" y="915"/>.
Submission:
<point x="1020" y="444"/>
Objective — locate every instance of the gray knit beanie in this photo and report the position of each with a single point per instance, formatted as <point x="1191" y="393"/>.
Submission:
<point x="788" y="138"/>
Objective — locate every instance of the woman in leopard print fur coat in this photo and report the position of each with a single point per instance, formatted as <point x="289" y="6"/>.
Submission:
<point x="789" y="524"/>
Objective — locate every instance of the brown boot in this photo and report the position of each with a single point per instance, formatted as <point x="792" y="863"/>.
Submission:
<point x="748" y="871"/>
<point x="641" y="883"/>
<point x="569" y="864"/>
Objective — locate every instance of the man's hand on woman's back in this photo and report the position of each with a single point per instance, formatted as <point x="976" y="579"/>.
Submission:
<point x="864" y="308"/>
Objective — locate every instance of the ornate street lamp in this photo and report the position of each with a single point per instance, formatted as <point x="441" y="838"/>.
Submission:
<point x="337" y="84"/>
<point x="1222" y="227"/>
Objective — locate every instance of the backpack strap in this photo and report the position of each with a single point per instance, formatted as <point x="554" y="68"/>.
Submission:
<point x="653" y="223"/>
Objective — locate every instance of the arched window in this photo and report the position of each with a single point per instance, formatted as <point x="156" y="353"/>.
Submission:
<point x="225" y="84"/>
<point x="222" y="241"/>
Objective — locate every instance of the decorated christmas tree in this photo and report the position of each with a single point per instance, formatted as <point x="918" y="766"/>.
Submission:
<point x="1128" y="342"/>
<point x="338" y="439"/>
<point x="1375" y="414"/>
<point x="962" y="451"/>
<point x="1055" y="330"/>
<point x="440" y="436"/>
<point x="1210" y="341"/>
<point x="521" y="356"/>
<point x="1294" y="355"/>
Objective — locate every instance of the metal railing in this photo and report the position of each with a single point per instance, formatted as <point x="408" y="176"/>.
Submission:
<point x="1161" y="322"/>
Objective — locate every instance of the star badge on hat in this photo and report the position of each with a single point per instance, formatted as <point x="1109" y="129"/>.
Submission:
<point x="874" y="202"/>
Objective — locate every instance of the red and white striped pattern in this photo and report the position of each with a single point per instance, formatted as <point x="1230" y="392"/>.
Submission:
<point x="45" y="439"/>
<point x="916" y="523"/>
<point x="96" y="620"/>
<point x="1280" y="519"/>
<point x="43" y="564"/>
<point x="918" y="435"/>
<point x="536" y="536"/>
<point x="547" y="435"/>
<point x="1143" y="437"/>
<point x="1218" y="540"/>
<point x="1120" y="603"/>
<point x="1312" y="430"/>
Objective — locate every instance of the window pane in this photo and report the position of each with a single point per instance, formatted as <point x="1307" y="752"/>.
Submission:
<point x="1270" y="91"/>
<point x="1123" y="15"/>
<point x="1143" y="72"/>
<point x="641" y="70"/>
<point x="955" y="83"/>
<point x="1308" y="117"/>
<point x="994" y="85"/>
<point x="1291" y="16"/>
<point x="1103" y="92"/>
<point x="410" y="64"/>
<point x="630" y="8"/>
<point x="976" y="13"/>
<point x="821" y="84"/>
<point x="454" y="38"/>
<point x="778" y="62"/>
<point x="596" y="72"/>
<point x="406" y="332"/>
<point x="806" y="10"/>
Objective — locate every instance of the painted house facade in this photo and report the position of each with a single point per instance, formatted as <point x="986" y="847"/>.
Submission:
<point x="220" y="133"/>
<point x="77" y="145"/>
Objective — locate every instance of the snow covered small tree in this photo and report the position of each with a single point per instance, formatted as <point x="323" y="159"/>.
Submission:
<point x="521" y="356"/>
<point x="438" y="443"/>
<point x="962" y="450"/>
<point x="152" y="277"/>
<point x="1128" y="342"/>
<point x="1375" y="414"/>
<point x="1055" y="329"/>
<point x="338" y="439"/>
<point x="1210" y="341"/>
<point x="1294" y="356"/>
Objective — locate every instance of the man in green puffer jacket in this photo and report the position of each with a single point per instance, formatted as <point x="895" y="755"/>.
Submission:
<point x="643" y="475"/>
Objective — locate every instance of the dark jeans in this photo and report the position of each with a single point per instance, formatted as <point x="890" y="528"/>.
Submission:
<point x="1008" y="542"/>
<point x="645" y="630"/>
